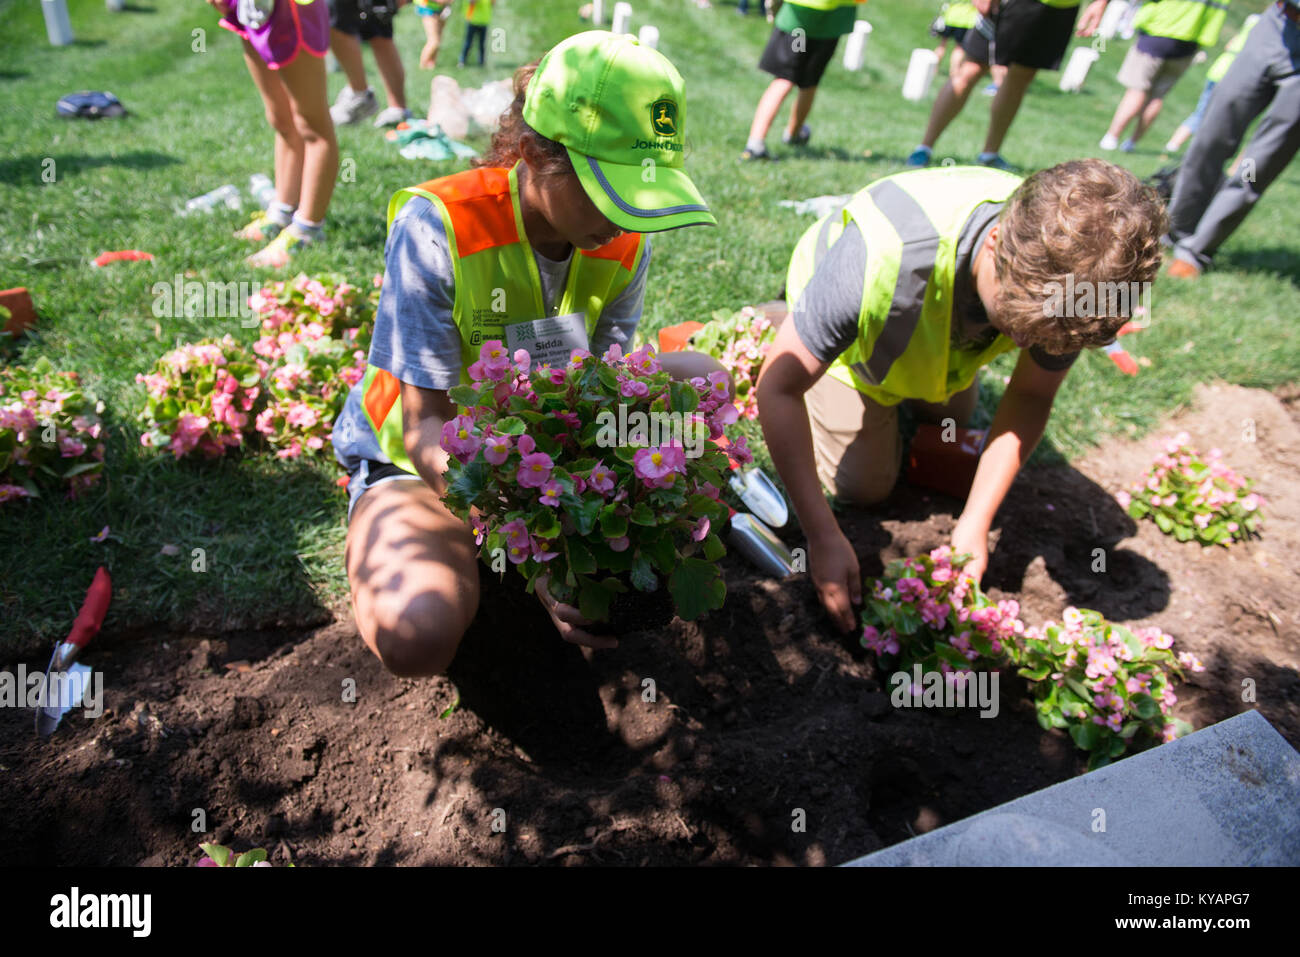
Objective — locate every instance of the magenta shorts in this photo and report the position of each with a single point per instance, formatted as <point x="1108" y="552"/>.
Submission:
<point x="293" y="25"/>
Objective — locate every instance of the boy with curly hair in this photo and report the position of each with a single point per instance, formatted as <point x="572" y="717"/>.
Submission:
<point x="921" y="279"/>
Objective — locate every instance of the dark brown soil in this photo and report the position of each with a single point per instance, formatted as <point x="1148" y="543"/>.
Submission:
<point x="698" y="743"/>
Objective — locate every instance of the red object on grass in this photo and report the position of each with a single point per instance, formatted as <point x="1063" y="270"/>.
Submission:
<point x="342" y="481"/>
<point x="674" y="338"/>
<point x="93" y="609"/>
<point x="1121" y="358"/>
<point x="1129" y="327"/>
<point x="22" y="313"/>
<point x="103" y="259"/>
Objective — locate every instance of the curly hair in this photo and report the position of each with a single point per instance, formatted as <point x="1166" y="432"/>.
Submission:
<point x="504" y="149"/>
<point x="1077" y="249"/>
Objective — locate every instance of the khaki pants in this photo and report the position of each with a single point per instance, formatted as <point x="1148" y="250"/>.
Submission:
<point x="856" y="444"/>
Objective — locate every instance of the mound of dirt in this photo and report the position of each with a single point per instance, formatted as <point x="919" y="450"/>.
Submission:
<point x="755" y="736"/>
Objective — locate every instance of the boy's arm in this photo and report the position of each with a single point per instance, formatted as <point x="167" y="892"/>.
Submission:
<point x="789" y="370"/>
<point x="423" y="413"/>
<point x="1018" y="425"/>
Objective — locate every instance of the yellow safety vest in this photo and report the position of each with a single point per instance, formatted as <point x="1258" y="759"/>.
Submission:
<point x="479" y="12"/>
<point x="1196" y="20"/>
<point x="911" y="223"/>
<point x="496" y="280"/>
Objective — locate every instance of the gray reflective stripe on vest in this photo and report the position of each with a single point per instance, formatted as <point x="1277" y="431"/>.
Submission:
<point x="824" y="235"/>
<point x="916" y="263"/>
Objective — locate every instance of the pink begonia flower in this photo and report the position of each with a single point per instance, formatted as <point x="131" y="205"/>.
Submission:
<point x="613" y="354"/>
<point x="518" y="554"/>
<point x="540" y="553"/>
<point x="458" y="438"/>
<point x="602" y="479"/>
<point x="1250" y="502"/>
<point x="644" y="360"/>
<point x="495" y="360"/>
<point x="569" y="418"/>
<point x="656" y="463"/>
<point x="551" y="493"/>
<point x="709" y="489"/>
<point x="726" y="415"/>
<point x="477" y="372"/>
<point x="102" y="536"/>
<point x="911" y="589"/>
<point x="496" y="449"/>
<point x="557" y="376"/>
<point x="522" y="361"/>
<point x="1232" y="526"/>
<point x="292" y="452"/>
<point x="633" y="388"/>
<point x="577" y="357"/>
<point x="526" y="444"/>
<point x="619" y="544"/>
<point x="70" y="448"/>
<point x="1124" y="499"/>
<point x="1202" y="520"/>
<point x="315" y="442"/>
<point x="739" y="451"/>
<point x="534" y="470"/>
<point x="479" y="526"/>
<point x="720" y="385"/>
<point x="701" y="529"/>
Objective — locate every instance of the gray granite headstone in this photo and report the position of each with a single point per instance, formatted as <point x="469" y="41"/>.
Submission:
<point x="1226" y="795"/>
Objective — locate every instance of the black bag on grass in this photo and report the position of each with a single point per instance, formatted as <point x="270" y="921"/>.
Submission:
<point x="90" y="105"/>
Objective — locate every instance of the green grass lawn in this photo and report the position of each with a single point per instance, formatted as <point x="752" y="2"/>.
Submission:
<point x="273" y="532"/>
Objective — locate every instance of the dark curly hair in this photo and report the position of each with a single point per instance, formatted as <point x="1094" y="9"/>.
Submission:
<point x="504" y="151"/>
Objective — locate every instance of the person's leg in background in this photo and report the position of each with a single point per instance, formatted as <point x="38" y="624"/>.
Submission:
<point x="1005" y="105"/>
<point x="389" y="62"/>
<point x="469" y="39"/>
<point x="482" y="39"/>
<point x="1241" y="95"/>
<point x="947" y="105"/>
<point x="1271" y="148"/>
<point x="433" y="24"/>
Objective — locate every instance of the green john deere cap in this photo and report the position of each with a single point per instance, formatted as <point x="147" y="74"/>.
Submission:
<point x="620" y="108"/>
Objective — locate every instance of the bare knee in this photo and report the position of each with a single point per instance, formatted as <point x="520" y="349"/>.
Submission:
<point x="420" y="639"/>
<point x="283" y="123"/>
<point x="966" y="77"/>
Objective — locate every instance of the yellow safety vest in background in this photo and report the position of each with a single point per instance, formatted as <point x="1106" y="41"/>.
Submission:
<point x="479" y="12"/>
<point x="1196" y="20"/>
<point x="911" y="223"/>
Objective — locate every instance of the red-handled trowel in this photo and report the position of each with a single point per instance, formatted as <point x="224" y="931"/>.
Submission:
<point x="84" y="628"/>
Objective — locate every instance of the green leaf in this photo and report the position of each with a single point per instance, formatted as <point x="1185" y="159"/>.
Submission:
<point x="612" y="525"/>
<point x="608" y="377"/>
<point x="249" y="858"/>
<point x="682" y="397"/>
<point x="643" y="514"/>
<point x="1099" y="759"/>
<point x="1145" y="705"/>
<point x="696" y="587"/>
<point x="713" y="547"/>
<point x="218" y="853"/>
<point x="1086" y="734"/>
<point x="468" y="482"/>
<point x="1034" y="674"/>
<point x="509" y="425"/>
<point x="448" y="711"/>
<point x="1079" y="688"/>
<point x="464" y="395"/>
<point x="1166" y="524"/>
<point x="661" y="551"/>
<point x="642" y="575"/>
<point x="584" y="512"/>
<point x="580" y="558"/>
<point x="593" y="599"/>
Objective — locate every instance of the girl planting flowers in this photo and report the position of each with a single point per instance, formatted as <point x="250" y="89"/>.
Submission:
<point x="541" y="247"/>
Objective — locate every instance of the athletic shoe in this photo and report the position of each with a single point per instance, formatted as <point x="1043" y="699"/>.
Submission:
<point x="995" y="161"/>
<point x="277" y="253"/>
<point x="1109" y="142"/>
<point x="392" y="115"/>
<point x="804" y="135"/>
<point x="759" y="154"/>
<point x="991" y="90"/>
<point x="352" y="107"/>
<point x="262" y="228"/>
<point x="920" y="157"/>
<point x="1128" y="146"/>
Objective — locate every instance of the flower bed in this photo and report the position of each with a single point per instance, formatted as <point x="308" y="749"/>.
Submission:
<point x="1191" y="496"/>
<point x="215" y="395"/>
<point x="739" y="340"/>
<point x="556" y="470"/>
<point x="1109" y="687"/>
<point x="50" y="433"/>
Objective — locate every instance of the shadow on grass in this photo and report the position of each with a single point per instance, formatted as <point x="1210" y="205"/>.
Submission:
<point x="15" y="169"/>
<point x="1268" y="260"/>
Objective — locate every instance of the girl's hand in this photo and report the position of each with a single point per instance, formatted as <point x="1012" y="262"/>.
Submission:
<point x="975" y="543"/>
<point x="569" y="621"/>
<point x="833" y="565"/>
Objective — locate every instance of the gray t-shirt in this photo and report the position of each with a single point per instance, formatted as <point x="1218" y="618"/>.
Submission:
<point x="415" y="336"/>
<point x="827" y="314"/>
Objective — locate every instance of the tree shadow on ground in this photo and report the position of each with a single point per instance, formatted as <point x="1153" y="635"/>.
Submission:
<point x="19" y="168"/>
<point x="1268" y="260"/>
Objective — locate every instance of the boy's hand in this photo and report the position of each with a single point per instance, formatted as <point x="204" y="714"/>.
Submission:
<point x="967" y="540"/>
<point x="833" y="565"/>
<point x="1091" y="18"/>
<point x="569" y="621"/>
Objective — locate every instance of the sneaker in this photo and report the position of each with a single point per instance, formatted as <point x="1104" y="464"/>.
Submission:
<point x="352" y="107"/>
<point x="1182" y="269"/>
<point x="262" y="228"/>
<point x="1128" y="146"/>
<point x="392" y="115"/>
<point x="758" y="154"/>
<point x="995" y="161"/>
<point x="920" y="157"/>
<point x="1109" y="142"/>
<point x="277" y="253"/>
<point x="991" y="90"/>
<point x="804" y="135"/>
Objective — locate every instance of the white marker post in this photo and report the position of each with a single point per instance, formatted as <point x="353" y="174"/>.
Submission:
<point x="57" y="25"/>
<point x="920" y="74"/>
<point x="649" y="37"/>
<point x="622" y="17"/>
<point x="115" y="5"/>
<point x="855" y="49"/>
<point x="1076" y="71"/>
<point x="1111" y="19"/>
<point x="597" y="12"/>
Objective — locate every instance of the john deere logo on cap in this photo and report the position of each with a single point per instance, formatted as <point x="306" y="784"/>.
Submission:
<point x="663" y="117"/>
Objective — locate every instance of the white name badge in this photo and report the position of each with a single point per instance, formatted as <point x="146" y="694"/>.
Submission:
<point x="551" y="340"/>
